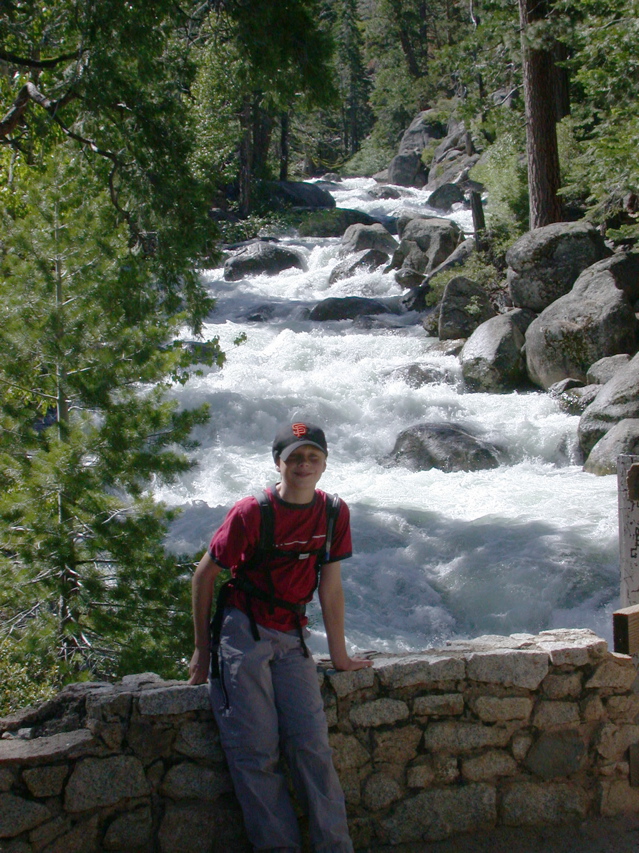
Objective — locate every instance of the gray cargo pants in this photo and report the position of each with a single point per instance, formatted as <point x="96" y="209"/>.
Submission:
<point x="268" y="698"/>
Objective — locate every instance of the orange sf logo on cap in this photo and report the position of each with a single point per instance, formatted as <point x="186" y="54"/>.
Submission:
<point x="299" y="430"/>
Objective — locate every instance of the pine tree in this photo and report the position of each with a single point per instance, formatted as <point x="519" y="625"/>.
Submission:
<point x="354" y="83"/>
<point x="86" y="430"/>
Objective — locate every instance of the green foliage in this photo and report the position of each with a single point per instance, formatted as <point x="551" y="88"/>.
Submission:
<point x="217" y="98"/>
<point x="371" y="158"/>
<point x="116" y="78"/>
<point x="504" y="174"/>
<point x="485" y="267"/>
<point x="286" y="49"/>
<point x="603" y="168"/>
<point x="266" y="224"/>
<point x="85" y="430"/>
<point x="24" y="682"/>
<point x="350" y="73"/>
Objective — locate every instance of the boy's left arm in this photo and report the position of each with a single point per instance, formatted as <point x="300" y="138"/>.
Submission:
<point x="331" y="596"/>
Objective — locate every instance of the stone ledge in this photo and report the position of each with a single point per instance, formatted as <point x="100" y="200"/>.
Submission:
<point x="45" y="749"/>
<point x="497" y="730"/>
<point x="178" y="699"/>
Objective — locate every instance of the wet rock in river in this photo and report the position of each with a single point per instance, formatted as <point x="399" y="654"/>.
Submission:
<point x="616" y="401"/>
<point x="262" y="257"/>
<point x="347" y="308"/>
<point x="465" y="305"/>
<point x="445" y="196"/>
<point x="622" y="438"/>
<point x="364" y="261"/>
<point x="492" y="359"/>
<point x="417" y="375"/>
<point x="425" y="243"/>
<point x="359" y="237"/>
<point x="407" y="170"/>
<point x="332" y="223"/>
<point x="444" y="446"/>
<point x="296" y="194"/>
<point x="384" y="192"/>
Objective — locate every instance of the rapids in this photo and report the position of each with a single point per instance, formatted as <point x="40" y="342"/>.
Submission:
<point x="529" y="546"/>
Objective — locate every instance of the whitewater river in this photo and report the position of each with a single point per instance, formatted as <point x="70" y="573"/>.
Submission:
<point x="529" y="546"/>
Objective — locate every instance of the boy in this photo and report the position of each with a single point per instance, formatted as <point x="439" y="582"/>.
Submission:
<point x="264" y="693"/>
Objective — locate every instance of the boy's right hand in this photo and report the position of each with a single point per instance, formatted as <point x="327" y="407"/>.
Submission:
<point x="199" y="666"/>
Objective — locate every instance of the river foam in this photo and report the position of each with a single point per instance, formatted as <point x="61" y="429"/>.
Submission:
<point x="528" y="546"/>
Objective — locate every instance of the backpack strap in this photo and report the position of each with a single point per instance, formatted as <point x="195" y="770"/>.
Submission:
<point x="264" y="552"/>
<point x="333" y="504"/>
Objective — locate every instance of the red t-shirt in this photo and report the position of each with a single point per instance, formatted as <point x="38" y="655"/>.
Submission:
<point x="298" y="527"/>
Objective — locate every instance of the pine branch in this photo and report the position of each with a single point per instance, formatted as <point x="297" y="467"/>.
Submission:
<point x="28" y="390"/>
<point x="10" y="624"/>
<point x="27" y="94"/>
<point x="37" y="64"/>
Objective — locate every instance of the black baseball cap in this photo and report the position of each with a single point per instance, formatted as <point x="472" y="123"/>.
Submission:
<point x="292" y="436"/>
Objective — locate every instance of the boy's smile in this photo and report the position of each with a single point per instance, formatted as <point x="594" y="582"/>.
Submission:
<point x="301" y="472"/>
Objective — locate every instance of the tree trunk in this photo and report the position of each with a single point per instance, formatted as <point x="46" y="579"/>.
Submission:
<point x="541" y="133"/>
<point x="245" y="157"/>
<point x="562" y="81"/>
<point x="406" y="42"/>
<point x="68" y="580"/>
<point x="284" y="123"/>
<point x="262" y="128"/>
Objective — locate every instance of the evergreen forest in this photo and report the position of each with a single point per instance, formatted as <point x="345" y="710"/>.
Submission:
<point x="123" y="125"/>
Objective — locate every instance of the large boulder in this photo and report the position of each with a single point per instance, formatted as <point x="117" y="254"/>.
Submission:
<point x="411" y="279"/>
<point x="457" y="139"/>
<point x="426" y="243"/>
<point x="617" y="400"/>
<point x="453" y="169"/>
<point x="359" y="237"/>
<point x="332" y="223"/>
<point x="492" y="358"/>
<point x="262" y="257"/>
<point x="452" y="159"/>
<point x="418" y="283"/>
<point x="603" y="370"/>
<point x="445" y="196"/>
<point x="447" y="447"/>
<point x="406" y="215"/>
<point x="296" y="194"/>
<point x="545" y="263"/>
<point x="596" y="319"/>
<point x="573" y="399"/>
<point x="407" y="170"/>
<point x="364" y="261"/>
<point x="422" y="131"/>
<point x="347" y="308"/>
<point x="457" y="258"/>
<point x="620" y="439"/>
<point x="464" y="306"/>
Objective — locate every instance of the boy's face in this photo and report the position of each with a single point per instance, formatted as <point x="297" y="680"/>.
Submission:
<point x="303" y="467"/>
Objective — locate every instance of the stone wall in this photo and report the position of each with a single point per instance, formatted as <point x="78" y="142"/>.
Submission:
<point x="498" y="731"/>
